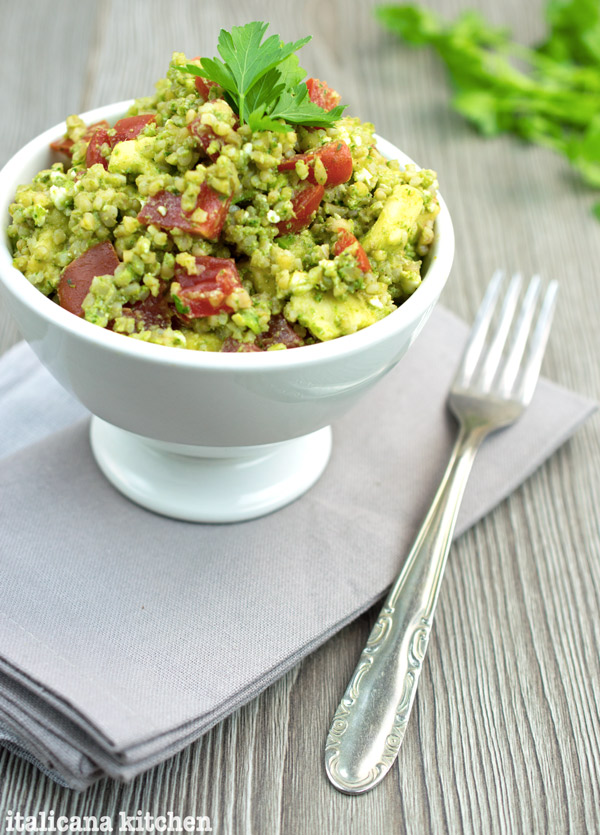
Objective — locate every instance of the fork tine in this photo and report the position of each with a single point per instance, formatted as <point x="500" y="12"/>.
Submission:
<point x="481" y="324"/>
<point x="518" y="342"/>
<point x="533" y="362"/>
<point x="491" y="360"/>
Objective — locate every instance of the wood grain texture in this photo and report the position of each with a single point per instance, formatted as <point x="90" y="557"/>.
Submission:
<point x="505" y="734"/>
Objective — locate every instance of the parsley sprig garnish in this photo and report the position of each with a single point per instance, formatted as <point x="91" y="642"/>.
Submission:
<point x="262" y="80"/>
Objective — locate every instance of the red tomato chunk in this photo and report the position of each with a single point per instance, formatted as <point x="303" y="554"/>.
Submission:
<point x="65" y="145"/>
<point x="206" y="293"/>
<point x="94" y="154"/>
<point x="206" y="137"/>
<point x="131" y="126"/>
<point x="203" y="85"/>
<point x="76" y="280"/>
<point x="347" y="239"/>
<point x="304" y="204"/>
<point x="128" y="128"/>
<point x="336" y="158"/>
<point x="164" y="210"/>
<point x="321" y="94"/>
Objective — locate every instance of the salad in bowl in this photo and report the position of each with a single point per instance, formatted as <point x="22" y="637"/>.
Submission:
<point x="234" y="210"/>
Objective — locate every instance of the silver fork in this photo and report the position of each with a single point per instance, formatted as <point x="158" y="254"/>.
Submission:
<point x="493" y="385"/>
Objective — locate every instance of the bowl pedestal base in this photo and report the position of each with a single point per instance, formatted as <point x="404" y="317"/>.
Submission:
<point x="209" y="484"/>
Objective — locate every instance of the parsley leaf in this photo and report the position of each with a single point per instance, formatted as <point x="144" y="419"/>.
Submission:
<point x="262" y="79"/>
<point x="266" y="90"/>
<point x="294" y="106"/>
<point x="549" y="95"/>
<point x="180" y="306"/>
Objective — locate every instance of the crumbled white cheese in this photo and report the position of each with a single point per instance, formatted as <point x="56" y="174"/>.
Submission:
<point x="58" y="195"/>
<point x="343" y="135"/>
<point x="363" y="175"/>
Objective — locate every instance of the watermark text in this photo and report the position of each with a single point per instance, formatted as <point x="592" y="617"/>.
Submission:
<point x="139" y="822"/>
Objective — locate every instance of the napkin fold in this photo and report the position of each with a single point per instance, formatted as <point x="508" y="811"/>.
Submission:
<point x="124" y="635"/>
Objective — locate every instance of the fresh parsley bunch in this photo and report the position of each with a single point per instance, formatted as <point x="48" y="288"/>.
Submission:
<point x="262" y="80"/>
<point x="549" y="94"/>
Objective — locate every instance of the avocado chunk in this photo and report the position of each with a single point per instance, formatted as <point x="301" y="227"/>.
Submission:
<point x="132" y="157"/>
<point x="328" y="317"/>
<point x="397" y="223"/>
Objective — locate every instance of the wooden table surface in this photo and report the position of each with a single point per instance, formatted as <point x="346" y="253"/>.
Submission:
<point x="505" y="732"/>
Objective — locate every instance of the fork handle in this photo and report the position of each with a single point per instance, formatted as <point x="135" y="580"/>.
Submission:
<point x="369" y="724"/>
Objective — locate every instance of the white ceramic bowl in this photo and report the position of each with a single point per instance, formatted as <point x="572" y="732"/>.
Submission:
<point x="209" y="436"/>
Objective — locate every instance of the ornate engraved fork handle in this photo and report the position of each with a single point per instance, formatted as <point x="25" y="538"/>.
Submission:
<point x="369" y="724"/>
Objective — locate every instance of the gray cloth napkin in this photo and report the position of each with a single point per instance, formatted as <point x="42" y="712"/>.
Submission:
<point x="124" y="635"/>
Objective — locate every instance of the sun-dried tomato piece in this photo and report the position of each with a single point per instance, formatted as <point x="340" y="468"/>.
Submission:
<point x="347" y="239"/>
<point x="128" y="128"/>
<point x="203" y="85"/>
<point x="336" y="159"/>
<point x="322" y="94"/>
<point x="206" y="137"/>
<point x="207" y="292"/>
<point x="280" y="332"/>
<point x="75" y="282"/>
<point x="65" y="145"/>
<point x="94" y="154"/>
<point x="153" y="312"/>
<point x="305" y="203"/>
<point x="164" y="210"/>
<point x="131" y="126"/>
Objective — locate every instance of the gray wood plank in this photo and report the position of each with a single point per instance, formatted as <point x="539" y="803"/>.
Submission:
<point x="505" y="733"/>
<point x="44" y="49"/>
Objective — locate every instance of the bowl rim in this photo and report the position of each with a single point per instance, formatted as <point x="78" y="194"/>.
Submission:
<point x="19" y="286"/>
